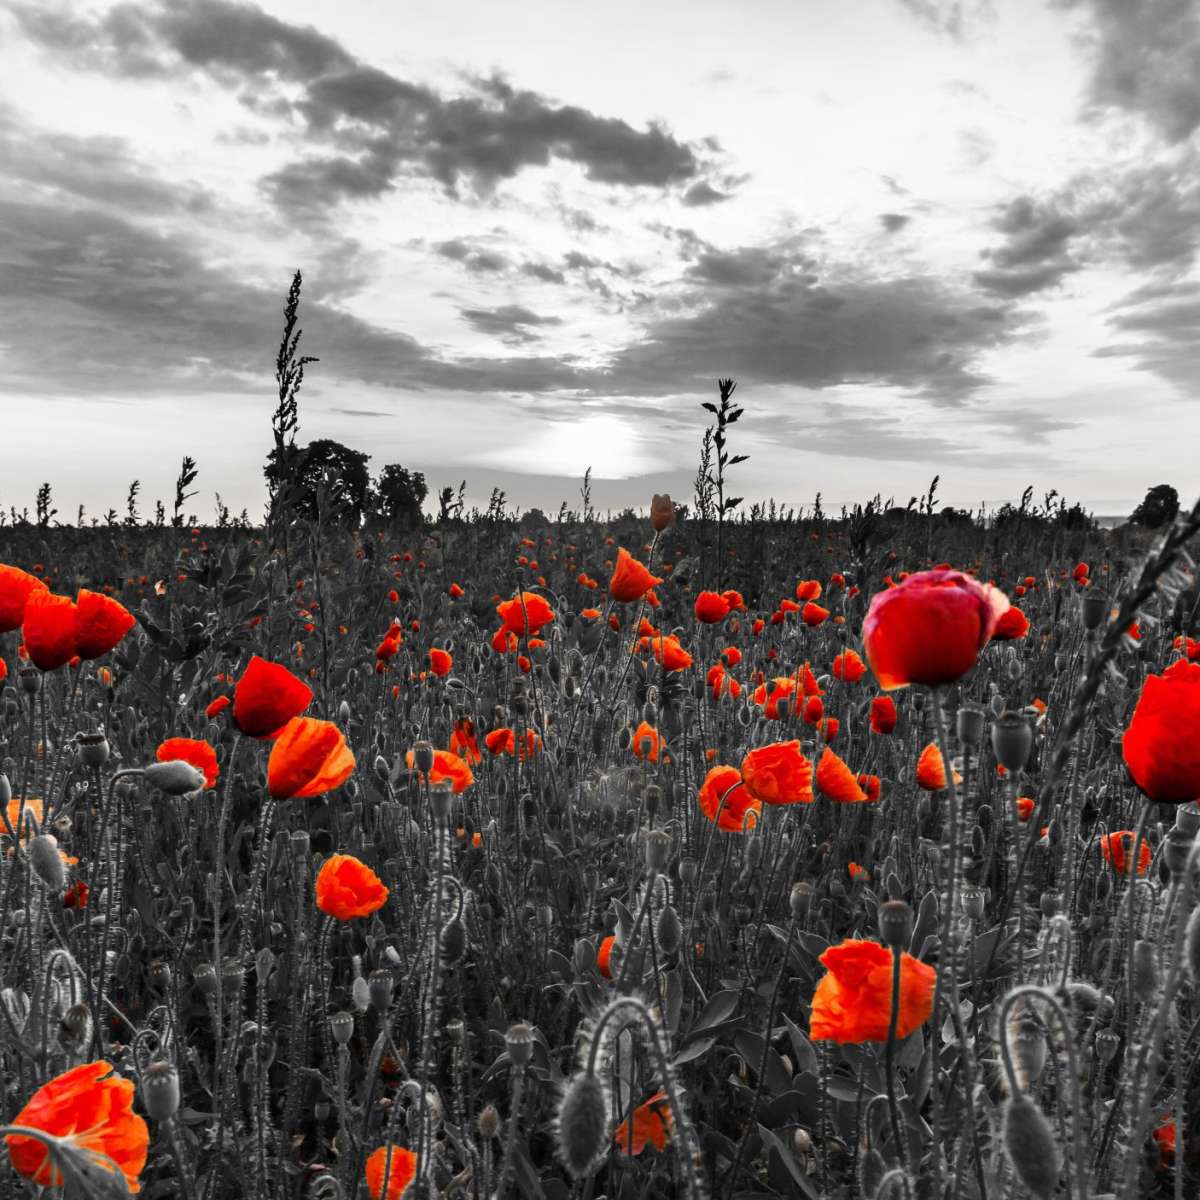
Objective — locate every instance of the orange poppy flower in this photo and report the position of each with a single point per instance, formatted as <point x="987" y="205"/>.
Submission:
<point x="931" y="769"/>
<point x="731" y="656"/>
<point x="455" y="591"/>
<point x="1025" y="808"/>
<point x="930" y="628"/>
<point x="463" y="742"/>
<point x="668" y="651"/>
<point x="853" y="1000"/>
<point x="504" y="641"/>
<point x="309" y="757"/>
<point x="814" y="710"/>
<point x="91" y="1109"/>
<point x="857" y="872"/>
<point x="732" y="597"/>
<point x="849" y="666"/>
<point x="501" y="741"/>
<point x="192" y="750"/>
<point x="724" y="792"/>
<point x="526" y="612"/>
<point x="450" y="767"/>
<point x="630" y="579"/>
<point x="778" y="774"/>
<point x="837" y="781"/>
<point x="1012" y="626"/>
<point x="711" y="608"/>
<point x="871" y="785"/>
<point x="100" y="623"/>
<point x="16" y="586"/>
<point x="1165" y="1139"/>
<point x="813" y="615"/>
<point x="650" y="1125"/>
<point x="267" y="697"/>
<point x="347" y="888"/>
<point x="883" y="715"/>
<point x="1160" y="747"/>
<point x="604" y="956"/>
<point x="440" y="662"/>
<point x="722" y="683"/>
<point x="1117" y="849"/>
<point x="647" y="743"/>
<point x="49" y="630"/>
<point x="400" y="1169"/>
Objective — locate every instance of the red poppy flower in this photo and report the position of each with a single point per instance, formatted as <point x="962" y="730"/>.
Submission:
<point x="309" y="757"/>
<point x="100" y="623"/>
<point x="630" y="579"/>
<point x="440" y="662"/>
<point x="871" y="785"/>
<point x="711" y="608"/>
<point x="931" y="769"/>
<point x="399" y="1168"/>
<point x="1080" y="572"/>
<point x="526" y="612"/>
<point x="604" y="956"/>
<point x="1117" y="849"/>
<point x="501" y="741"/>
<point x="267" y="697"/>
<point x="447" y="766"/>
<point x="650" y="1125"/>
<point x="668" y="651"/>
<point x="1161" y="747"/>
<point x="722" y="683"/>
<point x="463" y="742"/>
<point x="837" y="781"/>
<point x="930" y="628"/>
<point x="217" y="706"/>
<point x="92" y="1110"/>
<point x="849" y="666"/>
<point x="1025" y="807"/>
<point x="347" y="888"/>
<point x="723" y="791"/>
<point x="808" y="589"/>
<point x="1013" y="624"/>
<point x="731" y="656"/>
<point x="16" y="586"/>
<point x="49" y="630"/>
<point x="734" y="599"/>
<point x="778" y="774"/>
<point x="813" y="615"/>
<point x="192" y="750"/>
<point x="883" y="715"/>
<point x="648" y="743"/>
<point x="455" y="591"/>
<point x="1165" y="1139"/>
<point x="853" y="1000"/>
<point x="814" y="710"/>
<point x="76" y="896"/>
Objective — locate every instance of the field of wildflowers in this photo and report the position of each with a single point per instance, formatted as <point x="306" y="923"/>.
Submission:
<point x="664" y="856"/>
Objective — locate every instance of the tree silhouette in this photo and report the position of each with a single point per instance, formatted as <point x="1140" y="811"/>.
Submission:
<point x="399" y="495"/>
<point x="1160" y="506"/>
<point x="342" y="472"/>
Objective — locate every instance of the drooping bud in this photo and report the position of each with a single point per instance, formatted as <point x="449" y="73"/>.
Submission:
<point x="46" y="860"/>
<point x="1027" y="1045"/>
<point x="453" y="942"/>
<point x="176" y="777"/>
<point x="583" y="1125"/>
<point x="1032" y="1147"/>
<point x="75" y="1029"/>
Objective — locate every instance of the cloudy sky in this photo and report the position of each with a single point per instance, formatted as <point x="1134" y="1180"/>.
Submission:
<point x="925" y="236"/>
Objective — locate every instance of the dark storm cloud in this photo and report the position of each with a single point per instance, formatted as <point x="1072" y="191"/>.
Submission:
<point x="543" y="272"/>
<point x="1145" y="57"/>
<point x="1034" y="254"/>
<point x="893" y="222"/>
<point x="703" y="193"/>
<point x="384" y="127"/>
<point x="94" y="303"/>
<point x="476" y="259"/>
<point x="1159" y="327"/>
<point x="512" y="323"/>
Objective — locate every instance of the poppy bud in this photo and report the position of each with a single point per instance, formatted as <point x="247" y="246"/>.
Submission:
<point x="1145" y="970"/>
<point x="344" y="713"/>
<point x="583" y="1125"/>
<point x="970" y="724"/>
<point x="895" y="923"/>
<point x="382" y="769"/>
<point x="423" y="756"/>
<point x="160" y="974"/>
<point x="93" y="749"/>
<point x="1032" y="1148"/>
<point x="453" y="942"/>
<point x="175" y="777"/>
<point x="1027" y="1045"/>
<point x="996" y="705"/>
<point x="47" y="862"/>
<point x="360" y="994"/>
<point x="800" y="900"/>
<point x="341" y="1025"/>
<point x="75" y="1028"/>
<point x="160" y="1090"/>
<point x="668" y="930"/>
<point x="1051" y="903"/>
<point x="662" y="512"/>
<point x="1093" y="608"/>
<point x="519" y="1043"/>
<point x="1012" y="740"/>
<point x="489" y="1122"/>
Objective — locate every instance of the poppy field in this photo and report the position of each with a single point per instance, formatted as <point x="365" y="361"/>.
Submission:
<point x="822" y="857"/>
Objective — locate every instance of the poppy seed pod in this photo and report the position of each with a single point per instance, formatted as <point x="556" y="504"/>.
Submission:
<point x="1107" y="1044"/>
<point x="518" y="1041"/>
<point x="969" y="724"/>
<point x="30" y="679"/>
<point x="895" y="923"/>
<point x="175" y="777"/>
<point x="341" y="1025"/>
<point x="441" y="796"/>
<point x="973" y="903"/>
<point x="1093" y="608"/>
<point x="5" y="790"/>
<point x="380" y="984"/>
<point x="93" y="749"/>
<point x="423" y="757"/>
<point x="205" y="975"/>
<point x="658" y="849"/>
<point x="689" y="871"/>
<point x="1177" y="848"/>
<point x="583" y="1125"/>
<point x="1187" y="818"/>
<point x="160" y="1090"/>
<point x="47" y="862"/>
<point x="1032" y="1147"/>
<point x="1012" y="740"/>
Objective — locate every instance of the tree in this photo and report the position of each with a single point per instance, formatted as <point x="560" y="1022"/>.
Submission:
<point x="1160" y="506"/>
<point x="399" y="495"/>
<point x="327" y="464"/>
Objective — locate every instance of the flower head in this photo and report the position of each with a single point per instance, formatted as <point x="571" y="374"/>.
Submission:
<point x="778" y="774"/>
<point x="1161" y="747"/>
<point x="650" y="1125"/>
<point x="400" y="1168"/>
<point x="192" y="750"/>
<point x="309" y="757"/>
<point x="630" y="579"/>
<point x="16" y="586"/>
<point x="724" y="792"/>
<point x="267" y="697"/>
<point x="347" y="888"/>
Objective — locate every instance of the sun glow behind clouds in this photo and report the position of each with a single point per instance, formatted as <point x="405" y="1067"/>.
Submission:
<point x="605" y="442"/>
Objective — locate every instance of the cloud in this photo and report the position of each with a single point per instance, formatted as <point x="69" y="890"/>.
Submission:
<point x="477" y="260"/>
<point x="893" y="222"/>
<point x="382" y="126"/>
<point x="1146" y="60"/>
<point x="512" y="323"/>
<point x="949" y="17"/>
<point x="703" y="193"/>
<point x="1034" y="255"/>
<point x="1159" y="325"/>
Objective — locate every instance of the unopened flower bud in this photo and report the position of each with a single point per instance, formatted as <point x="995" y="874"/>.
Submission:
<point x="668" y="930"/>
<point x="489" y="1122"/>
<point x="453" y="942"/>
<point x="75" y="1028"/>
<point x="800" y="900"/>
<point x="662" y="512"/>
<point x="1032" y="1147"/>
<point x="583" y="1125"/>
<point x="1145" y="970"/>
<point x="175" y="777"/>
<point x="46" y="860"/>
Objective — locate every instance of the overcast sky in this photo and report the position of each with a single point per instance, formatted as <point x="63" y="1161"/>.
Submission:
<point x="924" y="236"/>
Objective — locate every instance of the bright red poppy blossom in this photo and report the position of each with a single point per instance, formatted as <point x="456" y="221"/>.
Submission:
<point x="647" y="742"/>
<point x="1161" y="747"/>
<point x="399" y="1168"/>
<point x="650" y="1125"/>
<point x="440" y="661"/>
<point x="808" y="589"/>
<point x="92" y="1109"/>
<point x="1012" y="626"/>
<point x="883" y="715"/>
<point x="871" y="785"/>
<point x="16" y="586"/>
<point x="604" y="956"/>
<point x="724" y="792"/>
<point x="1025" y="807"/>
<point x="526" y="612"/>
<point x="267" y="697"/>
<point x="192" y="750"/>
<point x="669" y="651"/>
<point x="931" y="769"/>
<point x="930" y="628"/>
<point x="849" y="666"/>
<point x="348" y="888"/>
<point x="463" y="741"/>
<point x="813" y="615"/>
<point x="100" y="623"/>
<point x="837" y="781"/>
<point x="853" y="1000"/>
<point x="711" y="608"/>
<point x="778" y="774"/>
<point x="217" y="706"/>
<point x="630" y="579"/>
<point x="1117" y="849"/>
<point x="309" y="758"/>
<point x="447" y="766"/>
<point x="49" y="630"/>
